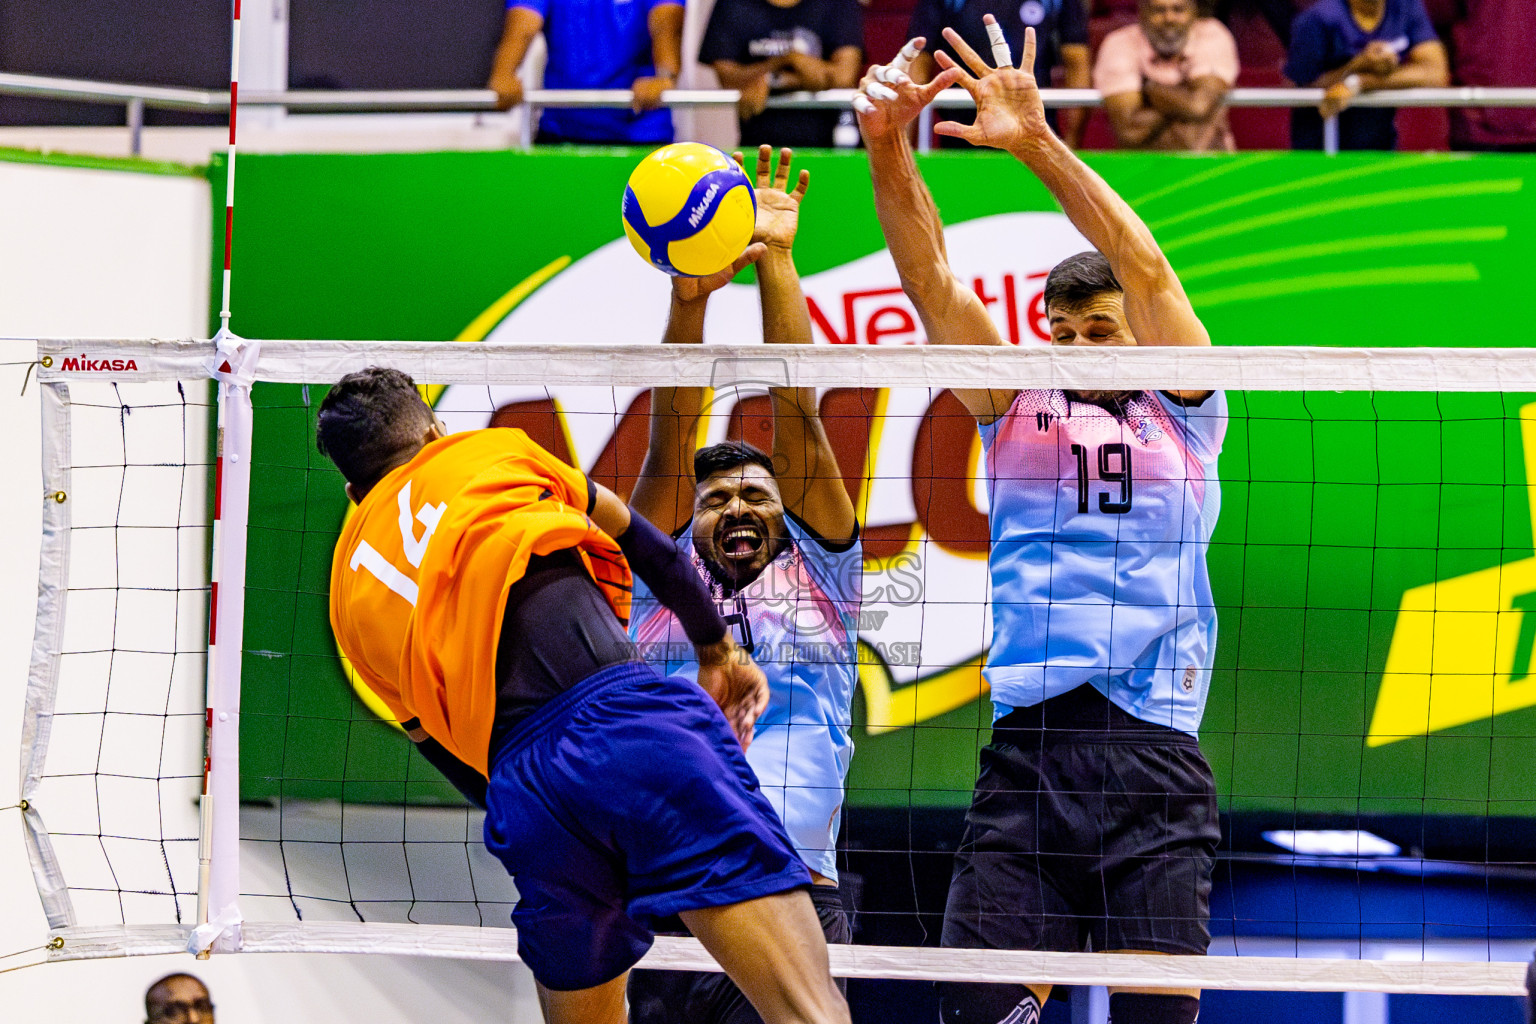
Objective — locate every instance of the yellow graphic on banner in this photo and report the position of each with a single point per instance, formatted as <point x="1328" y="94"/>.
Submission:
<point x="888" y="709"/>
<point x="1462" y="648"/>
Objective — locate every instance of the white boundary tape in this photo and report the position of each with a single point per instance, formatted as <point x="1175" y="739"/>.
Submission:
<point x="962" y="366"/>
<point x="1258" y="974"/>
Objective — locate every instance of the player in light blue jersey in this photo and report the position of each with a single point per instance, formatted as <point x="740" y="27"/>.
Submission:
<point x="1093" y="824"/>
<point x="776" y="539"/>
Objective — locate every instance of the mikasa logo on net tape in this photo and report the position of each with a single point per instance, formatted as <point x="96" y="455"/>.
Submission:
<point x="85" y="363"/>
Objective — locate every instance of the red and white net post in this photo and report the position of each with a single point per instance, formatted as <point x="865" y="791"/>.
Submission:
<point x="233" y="366"/>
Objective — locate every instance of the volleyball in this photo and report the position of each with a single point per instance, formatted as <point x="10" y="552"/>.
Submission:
<point x="689" y="209"/>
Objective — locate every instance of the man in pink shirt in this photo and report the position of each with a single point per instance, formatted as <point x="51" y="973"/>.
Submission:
<point x="1165" y="79"/>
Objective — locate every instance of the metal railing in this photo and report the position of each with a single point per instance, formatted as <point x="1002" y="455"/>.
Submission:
<point x="136" y="98"/>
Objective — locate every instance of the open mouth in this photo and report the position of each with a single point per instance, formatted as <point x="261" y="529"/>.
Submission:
<point x="741" y="543"/>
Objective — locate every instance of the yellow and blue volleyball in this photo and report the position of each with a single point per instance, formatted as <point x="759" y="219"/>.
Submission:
<point x="689" y="209"/>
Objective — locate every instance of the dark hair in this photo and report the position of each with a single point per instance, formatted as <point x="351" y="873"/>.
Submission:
<point x="156" y="992"/>
<point x="367" y="420"/>
<point x="718" y="458"/>
<point x="1077" y="279"/>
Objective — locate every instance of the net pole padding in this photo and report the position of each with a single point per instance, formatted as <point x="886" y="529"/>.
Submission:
<point x="217" y="910"/>
<point x="47" y="644"/>
<point x="896" y="963"/>
<point x="218" y="887"/>
<point x="917" y="366"/>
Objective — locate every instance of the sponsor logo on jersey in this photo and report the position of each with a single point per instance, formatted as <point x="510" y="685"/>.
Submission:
<point x="85" y="364"/>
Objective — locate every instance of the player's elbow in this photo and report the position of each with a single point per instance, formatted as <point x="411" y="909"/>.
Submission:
<point x="930" y="291"/>
<point x="1142" y="265"/>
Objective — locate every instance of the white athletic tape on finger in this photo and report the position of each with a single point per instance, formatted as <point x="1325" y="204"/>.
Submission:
<point x="905" y="58"/>
<point x="1002" y="56"/>
<point x="891" y="75"/>
<point x="862" y="105"/>
<point x="881" y="92"/>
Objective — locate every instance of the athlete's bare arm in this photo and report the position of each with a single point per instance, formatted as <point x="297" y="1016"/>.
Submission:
<point x="887" y="103"/>
<point x="664" y="490"/>
<point x="1010" y="117"/>
<point x="803" y="463"/>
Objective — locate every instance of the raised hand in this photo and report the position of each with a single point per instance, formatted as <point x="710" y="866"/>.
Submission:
<point x="778" y="208"/>
<point x="888" y="100"/>
<point x="730" y="676"/>
<point x="692" y="289"/>
<point x="1009" y="112"/>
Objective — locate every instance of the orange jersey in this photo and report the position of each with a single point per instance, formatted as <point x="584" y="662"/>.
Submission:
<point x="420" y="577"/>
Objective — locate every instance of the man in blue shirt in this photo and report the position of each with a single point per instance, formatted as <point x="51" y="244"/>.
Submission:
<point x="1352" y="46"/>
<point x="776" y="540"/>
<point x="1094" y="818"/>
<point x="596" y="44"/>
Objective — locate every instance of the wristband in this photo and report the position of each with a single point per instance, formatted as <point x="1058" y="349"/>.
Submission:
<point x="661" y="564"/>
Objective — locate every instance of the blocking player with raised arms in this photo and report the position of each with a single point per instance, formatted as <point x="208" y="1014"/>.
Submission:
<point x="480" y="589"/>
<point x="1094" y="819"/>
<point x="776" y="540"/>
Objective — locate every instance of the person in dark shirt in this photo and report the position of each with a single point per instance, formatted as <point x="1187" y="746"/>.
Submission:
<point x="762" y="47"/>
<point x="1352" y="46"/>
<point x="1061" y="37"/>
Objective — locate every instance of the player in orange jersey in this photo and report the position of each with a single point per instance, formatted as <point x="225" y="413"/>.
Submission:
<point x="481" y="590"/>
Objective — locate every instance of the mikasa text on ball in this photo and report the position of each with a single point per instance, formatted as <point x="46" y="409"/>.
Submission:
<point x="689" y="210"/>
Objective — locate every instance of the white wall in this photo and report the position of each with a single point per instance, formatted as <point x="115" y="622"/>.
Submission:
<point x="92" y="253"/>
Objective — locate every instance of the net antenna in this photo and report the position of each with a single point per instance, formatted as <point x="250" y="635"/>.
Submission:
<point x="233" y="366"/>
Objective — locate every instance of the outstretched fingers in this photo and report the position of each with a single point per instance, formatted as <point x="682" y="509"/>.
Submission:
<point x="1027" y="61"/>
<point x="1002" y="55"/>
<point x="958" y="75"/>
<point x="971" y="57"/>
<point x="941" y="81"/>
<point x="803" y="183"/>
<point x="908" y="54"/>
<point x="750" y="254"/>
<point x="781" y="178"/>
<point x="764" y="165"/>
<point x="968" y="132"/>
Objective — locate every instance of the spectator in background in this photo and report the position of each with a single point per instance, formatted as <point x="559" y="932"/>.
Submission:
<point x="1352" y="46"/>
<point x="596" y="44"/>
<point x="763" y="47"/>
<point x="1495" y="45"/>
<point x="1061" y="38"/>
<point x="178" y="999"/>
<point x="1277" y="13"/>
<point x="1165" y="79"/>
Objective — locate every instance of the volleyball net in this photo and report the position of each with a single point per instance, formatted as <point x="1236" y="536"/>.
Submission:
<point x="202" y="770"/>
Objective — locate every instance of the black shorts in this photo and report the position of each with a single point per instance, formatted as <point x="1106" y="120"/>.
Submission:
<point x="1080" y="837"/>
<point x="688" y="997"/>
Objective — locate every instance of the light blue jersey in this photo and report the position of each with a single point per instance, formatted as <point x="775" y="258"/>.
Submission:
<point x="802" y="613"/>
<point x="1099" y="527"/>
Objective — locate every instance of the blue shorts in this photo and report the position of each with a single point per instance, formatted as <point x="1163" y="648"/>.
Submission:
<point x="625" y="799"/>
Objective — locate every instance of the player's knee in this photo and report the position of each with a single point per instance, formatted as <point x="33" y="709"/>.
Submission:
<point x="1145" y="1008"/>
<point x="966" y="1003"/>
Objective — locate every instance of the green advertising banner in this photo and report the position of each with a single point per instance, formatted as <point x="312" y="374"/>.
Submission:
<point x="1373" y="559"/>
